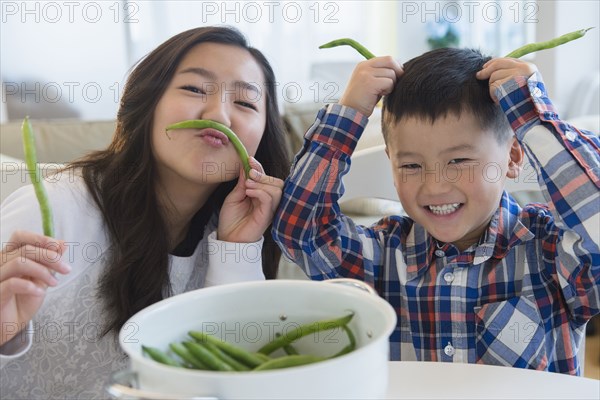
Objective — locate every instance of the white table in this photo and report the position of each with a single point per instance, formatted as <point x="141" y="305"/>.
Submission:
<point x="436" y="380"/>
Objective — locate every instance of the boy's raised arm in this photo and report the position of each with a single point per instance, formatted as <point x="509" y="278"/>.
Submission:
<point x="567" y="161"/>
<point x="308" y="225"/>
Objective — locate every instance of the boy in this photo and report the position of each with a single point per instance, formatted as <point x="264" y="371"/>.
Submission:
<point x="473" y="277"/>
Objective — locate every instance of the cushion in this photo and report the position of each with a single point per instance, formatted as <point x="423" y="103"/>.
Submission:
<point x="58" y="141"/>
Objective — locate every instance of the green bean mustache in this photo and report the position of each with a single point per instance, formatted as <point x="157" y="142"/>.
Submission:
<point x="203" y="124"/>
<point x="533" y="47"/>
<point x="36" y="177"/>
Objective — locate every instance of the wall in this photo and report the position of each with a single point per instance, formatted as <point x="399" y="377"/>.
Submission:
<point x="566" y="66"/>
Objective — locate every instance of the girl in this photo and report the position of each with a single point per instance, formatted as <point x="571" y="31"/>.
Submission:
<point x="151" y="216"/>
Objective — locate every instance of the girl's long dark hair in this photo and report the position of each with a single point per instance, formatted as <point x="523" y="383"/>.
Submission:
<point x="121" y="179"/>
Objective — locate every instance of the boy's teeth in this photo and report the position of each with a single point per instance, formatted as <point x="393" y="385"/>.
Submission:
<point x="444" y="209"/>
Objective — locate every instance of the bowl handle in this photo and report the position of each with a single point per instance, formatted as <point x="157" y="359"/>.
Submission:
<point x="124" y="385"/>
<point x="354" y="283"/>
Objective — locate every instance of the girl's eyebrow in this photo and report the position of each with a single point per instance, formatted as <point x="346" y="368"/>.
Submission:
<point x="211" y="76"/>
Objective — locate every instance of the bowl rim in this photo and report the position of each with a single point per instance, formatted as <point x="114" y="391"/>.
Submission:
<point x="390" y="319"/>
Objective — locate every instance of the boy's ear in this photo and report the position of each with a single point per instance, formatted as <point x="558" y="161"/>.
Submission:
<point x="387" y="152"/>
<point x="517" y="157"/>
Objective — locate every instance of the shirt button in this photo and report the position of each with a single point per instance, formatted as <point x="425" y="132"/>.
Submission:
<point x="448" y="277"/>
<point x="571" y="135"/>
<point x="536" y="92"/>
<point x="449" y="350"/>
<point x="440" y="253"/>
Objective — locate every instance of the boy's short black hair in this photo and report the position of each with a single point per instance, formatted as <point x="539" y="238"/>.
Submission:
<point x="442" y="82"/>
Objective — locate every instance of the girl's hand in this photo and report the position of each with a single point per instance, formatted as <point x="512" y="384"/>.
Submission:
<point x="501" y="70"/>
<point x="27" y="265"/>
<point x="248" y="210"/>
<point x="371" y="80"/>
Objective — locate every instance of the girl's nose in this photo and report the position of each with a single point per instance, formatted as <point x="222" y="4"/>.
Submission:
<point x="217" y="110"/>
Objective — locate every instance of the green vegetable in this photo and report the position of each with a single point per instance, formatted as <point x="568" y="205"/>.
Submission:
<point x="288" y="361"/>
<point x="203" y="123"/>
<point x="289" y="349"/>
<point x="36" y="177"/>
<point x="235" y="364"/>
<point x="304" y="330"/>
<point x="211" y="353"/>
<point x="204" y="355"/>
<point x="351" y="346"/>
<point x="246" y="357"/>
<point x="349" y="42"/>
<point x="159" y="356"/>
<point x="532" y="47"/>
<point x="186" y="356"/>
<point x="520" y="52"/>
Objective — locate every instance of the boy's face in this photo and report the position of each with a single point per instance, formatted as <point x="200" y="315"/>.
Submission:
<point x="450" y="175"/>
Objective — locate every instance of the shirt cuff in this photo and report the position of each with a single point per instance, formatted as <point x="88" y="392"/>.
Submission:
<point x="233" y="262"/>
<point x="525" y="102"/>
<point x="338" y="127"/>
<point x="17" y="346"/>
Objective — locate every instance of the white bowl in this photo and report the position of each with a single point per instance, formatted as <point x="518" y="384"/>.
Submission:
<point x="248" y="315"/>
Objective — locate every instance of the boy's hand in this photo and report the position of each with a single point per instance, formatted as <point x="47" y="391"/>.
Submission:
<point x="371" y="80"/>
<point x="501" y="70"/>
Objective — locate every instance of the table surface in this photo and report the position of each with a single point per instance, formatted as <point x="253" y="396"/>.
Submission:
<point x="436" y="380"/>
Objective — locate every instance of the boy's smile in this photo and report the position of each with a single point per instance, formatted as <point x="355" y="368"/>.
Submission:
<point x="450" y="175"/>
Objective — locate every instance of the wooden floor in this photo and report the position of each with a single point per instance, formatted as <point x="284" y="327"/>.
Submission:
<point x="592" y="352"/>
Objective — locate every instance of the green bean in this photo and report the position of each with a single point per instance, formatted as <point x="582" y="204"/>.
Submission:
<point x="262" y="357"/>
<point x="203" y="123"/>
<point x="532" y="47"/>
<point x="239" y="354"/>
<point x="36" y="177"/>
<point x="304" y="330"/>
<point x="349" y="42"/>
<point x="186" y="356"/>
<point x="289" y="349"/>
<point x="288" y="361"/>
<point x="207" y="357"/>
<point x="235" y="364"/>
<point x="351" y="346"/>
<point x="159" y="356"/>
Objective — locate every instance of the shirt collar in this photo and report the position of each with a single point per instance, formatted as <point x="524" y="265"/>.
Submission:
<point x="505" y="231"/>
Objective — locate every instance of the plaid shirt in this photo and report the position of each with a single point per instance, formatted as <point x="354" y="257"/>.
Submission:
<point x="520" y="297"/>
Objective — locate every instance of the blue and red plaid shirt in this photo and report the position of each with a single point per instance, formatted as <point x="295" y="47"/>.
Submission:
<point x="520" y="297"/>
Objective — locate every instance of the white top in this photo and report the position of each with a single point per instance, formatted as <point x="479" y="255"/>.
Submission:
<point x="61" y="354"/>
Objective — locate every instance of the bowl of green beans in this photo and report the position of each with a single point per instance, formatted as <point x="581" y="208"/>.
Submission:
<point x="281" y="339"/>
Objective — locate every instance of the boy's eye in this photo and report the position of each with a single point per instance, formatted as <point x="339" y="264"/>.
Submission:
<point x="458" y="160"/>
<point x="246" y="104"/>
<point x="410" y="166"/>
<point x="193" y="89"/>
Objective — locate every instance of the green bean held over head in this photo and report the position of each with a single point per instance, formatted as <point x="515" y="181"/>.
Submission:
<point x="36" y="177"/>
<point x="203" y="124"/>
<point x="520" y="52"/>
<point x="349" y="42"/>
<point x="533" y="47"/>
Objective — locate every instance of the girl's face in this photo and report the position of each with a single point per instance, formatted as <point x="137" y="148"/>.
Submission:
<point x="217" y="82"/>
